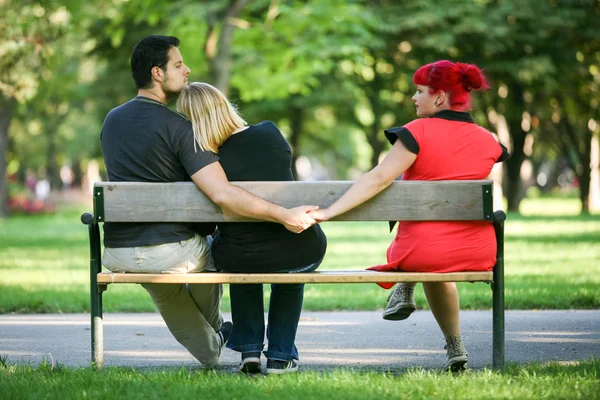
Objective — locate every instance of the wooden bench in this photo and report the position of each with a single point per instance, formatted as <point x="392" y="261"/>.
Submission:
<point x="402" y="201"/>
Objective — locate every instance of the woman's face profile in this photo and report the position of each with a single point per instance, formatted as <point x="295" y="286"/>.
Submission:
<point x="424" y="101"/>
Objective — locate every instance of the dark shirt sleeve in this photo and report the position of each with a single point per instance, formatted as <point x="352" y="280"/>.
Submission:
<point x="407" y="139"/>
<point x="192" y="157"/>
<point x="204" y="228"/>
<point x="504" y="156"/>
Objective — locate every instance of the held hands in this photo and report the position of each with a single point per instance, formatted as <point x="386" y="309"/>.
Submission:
<point x="320" y="215"/>
<point x="298" y="219"/>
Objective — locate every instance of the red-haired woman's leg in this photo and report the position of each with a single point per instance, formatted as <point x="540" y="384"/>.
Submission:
<point x="445" y="306"/>
<point x="443" y="301"/>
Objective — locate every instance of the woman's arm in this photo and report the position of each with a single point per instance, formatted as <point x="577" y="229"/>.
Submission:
<point x="398" y="160"/>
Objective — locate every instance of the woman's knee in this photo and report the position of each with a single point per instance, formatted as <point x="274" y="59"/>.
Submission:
<point x="439" y="286"/>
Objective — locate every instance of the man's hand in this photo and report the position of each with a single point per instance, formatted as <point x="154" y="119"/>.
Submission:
<point x="320" y="215"/>
<point x="297" y="219"/>
<point x="213" y="182"/>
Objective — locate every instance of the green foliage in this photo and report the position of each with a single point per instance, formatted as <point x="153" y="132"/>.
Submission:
<point x="345" y="66"/>
<point x="285" y="55"/>
<point x="30" y="33"/>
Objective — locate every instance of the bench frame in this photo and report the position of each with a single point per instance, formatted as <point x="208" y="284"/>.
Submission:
<point x="99" y="280"/>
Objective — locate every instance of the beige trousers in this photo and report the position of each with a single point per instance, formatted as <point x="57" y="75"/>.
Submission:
<point x="191" y="312"/>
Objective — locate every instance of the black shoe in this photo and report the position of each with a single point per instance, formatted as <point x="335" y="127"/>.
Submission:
<point x="281" y="367"/>
<point x="224" y="332"/>
<point x="250" y="363"/>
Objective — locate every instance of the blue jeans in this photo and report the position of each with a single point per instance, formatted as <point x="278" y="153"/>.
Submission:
<point x="247" y="311"/>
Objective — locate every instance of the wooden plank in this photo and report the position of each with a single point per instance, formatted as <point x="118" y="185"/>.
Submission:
<point x="402" y="201"/>
<point x="309" y="277"/>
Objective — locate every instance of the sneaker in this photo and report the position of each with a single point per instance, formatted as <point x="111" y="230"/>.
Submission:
<point x="400" y="303"/>
<point x="457" y="354"/>
<point x="250" y="363"/>
<point x="222" y="337"/>
<point x="224" y="332"/>
<point x="279" y="367"/>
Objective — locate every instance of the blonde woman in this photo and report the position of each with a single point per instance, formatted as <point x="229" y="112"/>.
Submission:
<point x="254" y="153"/>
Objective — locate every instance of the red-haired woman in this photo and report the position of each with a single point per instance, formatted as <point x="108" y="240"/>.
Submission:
<point x="445" y="144"/>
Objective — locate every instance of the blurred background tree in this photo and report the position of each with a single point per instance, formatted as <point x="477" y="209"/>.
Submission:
<point x="333" y="75"/>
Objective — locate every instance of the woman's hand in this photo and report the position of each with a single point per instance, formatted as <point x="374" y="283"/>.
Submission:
<point x="298" y="219"/>
<point x="321" y="215"/>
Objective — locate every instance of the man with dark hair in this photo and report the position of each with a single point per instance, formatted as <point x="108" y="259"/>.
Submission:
<point x="149" y="52"/>
<point x="145" y="141"/>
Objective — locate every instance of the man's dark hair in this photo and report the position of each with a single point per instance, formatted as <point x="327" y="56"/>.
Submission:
<point x="151" y="51"/>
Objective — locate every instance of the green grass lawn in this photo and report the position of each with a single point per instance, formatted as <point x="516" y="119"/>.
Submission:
<point x="552" y="381"/>
<point x="551" y="262"/>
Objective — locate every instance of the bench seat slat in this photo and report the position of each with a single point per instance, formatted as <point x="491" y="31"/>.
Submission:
<point x="310" y="277"/>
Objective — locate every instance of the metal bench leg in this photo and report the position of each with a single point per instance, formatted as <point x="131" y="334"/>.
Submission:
<point x="97" y="325"/>
<point x="498" y="295"/>
<point x="98" y="329"/>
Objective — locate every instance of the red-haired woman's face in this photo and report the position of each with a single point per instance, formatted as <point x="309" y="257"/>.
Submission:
<point x="425" y="101"/>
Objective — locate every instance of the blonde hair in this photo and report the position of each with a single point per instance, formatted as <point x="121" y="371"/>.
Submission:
<point x="214" y="118"/>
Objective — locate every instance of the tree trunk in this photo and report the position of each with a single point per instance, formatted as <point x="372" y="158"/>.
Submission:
<point x="586" y="173"/>
<point x="377" y="145"/>
<point x="52" y="168"/>
<point x="6" y="110"/>
<point x="296" y="123"/>
<point x="583" y="169"/>
<point x="595" y="175"/>
<point x="220" y="66"/>
<point x="513" y="185"/>
<point x="77" y="173"/>
<point x="584" y="190"/>
<point x="374" y="136"/>
<point x="576" y="146"/>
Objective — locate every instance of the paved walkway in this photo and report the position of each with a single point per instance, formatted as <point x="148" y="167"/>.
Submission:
<point x="359" y="340"/>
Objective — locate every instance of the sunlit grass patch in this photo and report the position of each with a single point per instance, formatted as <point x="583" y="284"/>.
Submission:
<point x="535" y="381"/>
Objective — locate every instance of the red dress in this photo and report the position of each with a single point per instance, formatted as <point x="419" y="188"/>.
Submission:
<point x="450" y="147"/>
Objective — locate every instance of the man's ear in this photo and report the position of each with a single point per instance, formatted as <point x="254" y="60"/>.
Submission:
<point x="157" y="73"/>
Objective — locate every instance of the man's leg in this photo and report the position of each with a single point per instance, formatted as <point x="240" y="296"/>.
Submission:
<point x="186" y="323"/>
<point x="191" y="314"/>
<point x="208" y="301"/>
<point x="206" y="297"/>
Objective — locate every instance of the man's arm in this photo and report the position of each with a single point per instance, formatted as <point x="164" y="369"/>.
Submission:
<point x="213" y="182"/>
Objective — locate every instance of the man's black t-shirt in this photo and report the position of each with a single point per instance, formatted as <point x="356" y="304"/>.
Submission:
<point x="145" y="141"/>
<point x="261" y="153"/>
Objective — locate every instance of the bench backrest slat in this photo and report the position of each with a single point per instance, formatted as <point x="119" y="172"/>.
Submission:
<point x="402" y="201"/>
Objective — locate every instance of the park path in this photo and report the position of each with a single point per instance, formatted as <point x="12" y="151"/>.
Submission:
<point x="326" y="340"/>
